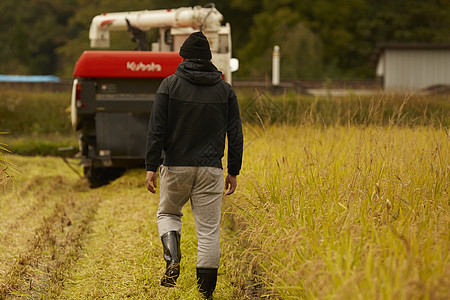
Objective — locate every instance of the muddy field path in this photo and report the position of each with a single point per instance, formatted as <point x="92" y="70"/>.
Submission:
<point x="59" y="239"/>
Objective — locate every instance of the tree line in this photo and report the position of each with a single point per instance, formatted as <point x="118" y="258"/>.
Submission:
<point x="318" y="39"/>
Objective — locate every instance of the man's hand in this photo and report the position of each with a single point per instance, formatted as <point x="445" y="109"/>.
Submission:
<point x="230" y="184"/>
<point x="150" y="181"/>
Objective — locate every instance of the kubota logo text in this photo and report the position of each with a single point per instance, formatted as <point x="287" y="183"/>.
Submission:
<point x="136" y="67"/>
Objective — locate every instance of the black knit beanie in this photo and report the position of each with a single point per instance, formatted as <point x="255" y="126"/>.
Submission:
<point x="196" y="46"/>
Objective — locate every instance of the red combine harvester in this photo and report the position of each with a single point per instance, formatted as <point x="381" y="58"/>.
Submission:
<point x="113" y="91"/>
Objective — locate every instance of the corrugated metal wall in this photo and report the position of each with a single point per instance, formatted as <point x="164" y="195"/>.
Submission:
<point x="415" y="69"/>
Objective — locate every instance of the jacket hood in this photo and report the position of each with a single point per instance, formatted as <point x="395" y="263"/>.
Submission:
<point x="201" y="72"/>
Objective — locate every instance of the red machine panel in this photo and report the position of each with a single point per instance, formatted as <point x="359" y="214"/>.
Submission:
<point x="132" y="64"/>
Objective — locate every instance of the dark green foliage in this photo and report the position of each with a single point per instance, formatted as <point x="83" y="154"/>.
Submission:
<point x="348" y="31"/>
<point x="318" y="39"/>
<point x="31" y="31"/>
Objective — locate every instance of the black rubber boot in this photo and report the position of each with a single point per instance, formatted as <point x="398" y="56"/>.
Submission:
<point x="206" y="279"/>
<point x="172" y="256"/>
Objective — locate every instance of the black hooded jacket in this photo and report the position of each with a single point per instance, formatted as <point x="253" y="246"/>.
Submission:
<point x="194" y="110"/>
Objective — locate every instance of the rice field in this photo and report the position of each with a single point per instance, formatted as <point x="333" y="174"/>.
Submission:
<point x="342" y="201"/>
<point x="345" y="212"/>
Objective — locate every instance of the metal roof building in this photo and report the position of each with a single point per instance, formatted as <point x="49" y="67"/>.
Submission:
<point x="408" y="67"/>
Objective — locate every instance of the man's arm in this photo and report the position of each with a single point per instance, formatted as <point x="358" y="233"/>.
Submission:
<point x="155" y="137"/>
<point x="235" y="137"/>
<point x="235" y="144"/>
<point x="156" y="132"/>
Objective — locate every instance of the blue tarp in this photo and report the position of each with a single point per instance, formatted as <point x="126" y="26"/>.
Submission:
<point x="29" y="78"/>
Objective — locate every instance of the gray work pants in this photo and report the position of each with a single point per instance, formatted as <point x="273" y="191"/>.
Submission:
<point x="204" y="186"/>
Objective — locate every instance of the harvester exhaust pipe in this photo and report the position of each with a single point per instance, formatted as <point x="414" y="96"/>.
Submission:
<point x="276" y="66"/>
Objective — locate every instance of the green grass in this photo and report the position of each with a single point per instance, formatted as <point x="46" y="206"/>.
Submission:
<point x="42" y="145"/>
<point x="380" y="109"/>
<point x="43" y="113"/>
<point x="36" y="123"/>
<point x="34" y="113"/>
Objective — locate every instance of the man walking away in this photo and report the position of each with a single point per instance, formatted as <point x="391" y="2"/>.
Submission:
<point x="193" y="112"/>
